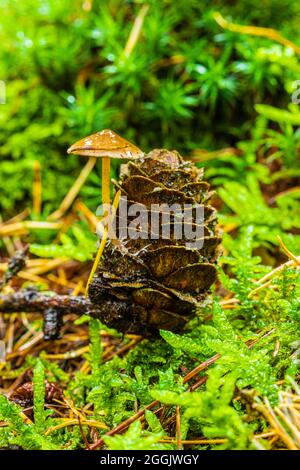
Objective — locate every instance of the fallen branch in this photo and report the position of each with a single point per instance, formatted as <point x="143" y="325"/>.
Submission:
<point x="33" y="301"/>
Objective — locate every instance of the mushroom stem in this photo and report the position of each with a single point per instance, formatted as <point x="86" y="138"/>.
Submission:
<point x="105" y="180"/>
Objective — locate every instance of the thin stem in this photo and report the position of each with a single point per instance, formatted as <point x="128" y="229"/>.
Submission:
<point x="105" y="180"/>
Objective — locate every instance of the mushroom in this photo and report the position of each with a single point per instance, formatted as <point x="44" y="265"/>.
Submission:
<point x="106" y="144"/>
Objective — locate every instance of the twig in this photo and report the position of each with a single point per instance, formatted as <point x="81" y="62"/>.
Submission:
<point x="290" y="425"/>
<point x="259" y="288"/>
<point x="15" y="265"/>
<point x="48" y="265"/>
<point x="17" y="218"/>
<point x="67" y="201"/>
<point x="87" y="213"/>
<point x="72" y="422"/>
<point x="195" y="441"/>
<point x="84" y="438"/>
<point x="201" y="367"/>
<point x="32" y="301"/>
<point x="136" y="30"/>
<point x="18" y="228"/>
<point x="37" y="188"/>
<point x="269" y="33"/>
<point x="123" y="349"/>
<point x="269" y="414"/>
<point x="276" y="271"/>
<point x="288" y="253"/>
<point x="68" y="355"/>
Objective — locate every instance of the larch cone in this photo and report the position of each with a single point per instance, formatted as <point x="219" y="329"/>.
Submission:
<point x="155" y="282"/>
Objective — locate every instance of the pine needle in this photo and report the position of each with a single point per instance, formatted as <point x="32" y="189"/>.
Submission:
<point x="136" y="30"/>
<point x="37" y="188"/>
<point x="73" y="192"/>
<point x="269" y="33"/>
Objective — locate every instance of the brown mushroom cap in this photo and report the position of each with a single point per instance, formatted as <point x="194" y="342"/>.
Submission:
<point x="106" y="143"/>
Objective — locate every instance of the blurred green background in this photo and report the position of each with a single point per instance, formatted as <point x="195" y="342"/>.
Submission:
<point x="73" y="67"/>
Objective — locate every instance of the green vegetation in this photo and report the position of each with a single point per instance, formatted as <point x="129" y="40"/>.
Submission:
<point x="187" y="83"/>
<point x="219" y="96"/>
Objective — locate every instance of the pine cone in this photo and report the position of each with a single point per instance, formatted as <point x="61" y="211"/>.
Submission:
<point x="152" y="282"/>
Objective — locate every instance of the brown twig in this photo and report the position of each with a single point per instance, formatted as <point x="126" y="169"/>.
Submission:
<point x="32" y="301"/>
<point x="70" y="197"/>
